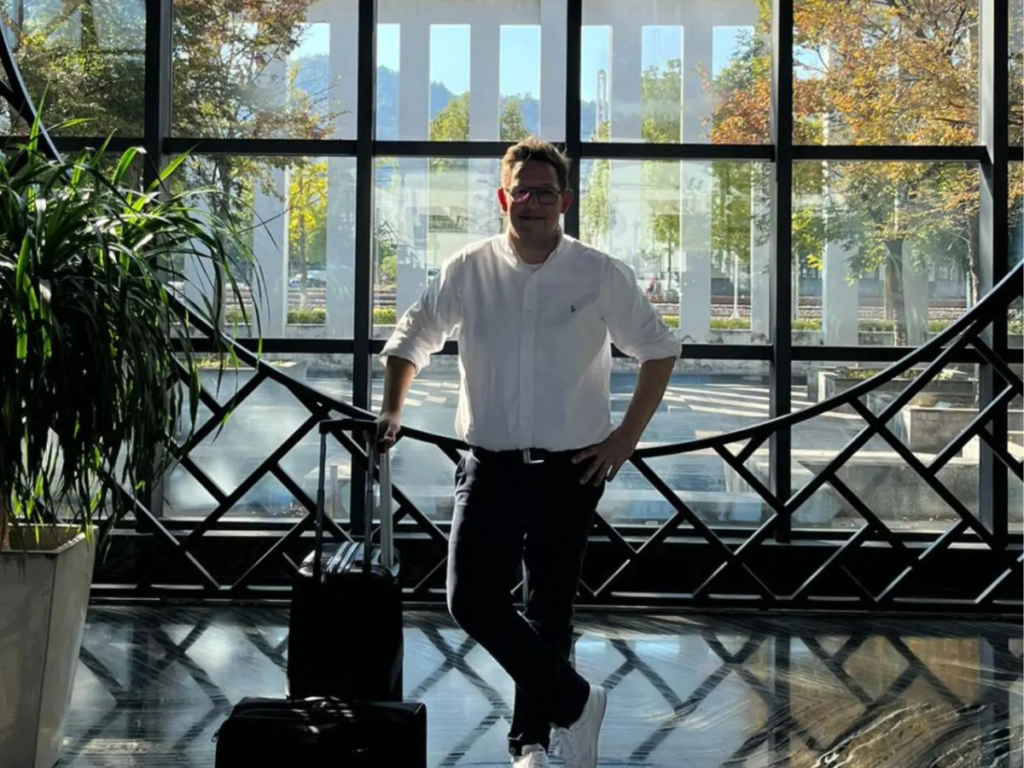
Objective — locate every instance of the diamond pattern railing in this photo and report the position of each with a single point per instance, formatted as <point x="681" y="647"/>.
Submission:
<point x="739" y="559"/>
<point x="737" y="573"/>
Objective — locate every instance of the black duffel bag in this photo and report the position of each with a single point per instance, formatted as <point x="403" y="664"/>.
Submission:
<point x="323" y="733"/>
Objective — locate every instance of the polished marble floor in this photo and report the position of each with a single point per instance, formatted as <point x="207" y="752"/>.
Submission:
<point x="690" y="691"/>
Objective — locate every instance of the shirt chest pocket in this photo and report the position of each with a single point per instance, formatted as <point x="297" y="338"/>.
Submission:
<point x="568" y="307"/>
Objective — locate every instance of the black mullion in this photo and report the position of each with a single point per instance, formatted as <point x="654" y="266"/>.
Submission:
<point x="156" y="125"/>
<point x="573" y="143"/>
<point x="367" y="126"/>
<point x="633" y="151"/>
<point x="781" y="368"/>
<point x="458" y="149"/>
<point x="69" y="144"/>
<point x="689" y="351"/>
<point x="257" y="147"/>
<point x="1002" y="454"/>
<point x="994" y="249"/>
<point x="157" y="118"/>
<point x="1012" y="379"/>
<point x="287" y="345"/>
<point x="889" y="153"/>
<point x="869" y="354"/>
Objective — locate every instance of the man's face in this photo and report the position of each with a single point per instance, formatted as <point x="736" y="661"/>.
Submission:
<point x="543" y="200"/>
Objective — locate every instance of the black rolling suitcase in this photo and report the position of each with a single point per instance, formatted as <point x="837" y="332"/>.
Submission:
<point x="323" y="733"/>
<point x="345" y="629"/>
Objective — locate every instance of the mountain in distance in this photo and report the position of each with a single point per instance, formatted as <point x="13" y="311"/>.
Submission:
<point x="313" y="77"/>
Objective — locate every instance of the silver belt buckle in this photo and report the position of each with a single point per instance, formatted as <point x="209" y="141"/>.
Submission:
<point x="528" y="457"/>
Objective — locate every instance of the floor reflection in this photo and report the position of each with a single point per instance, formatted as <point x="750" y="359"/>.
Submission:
<point x="154" y="683"/>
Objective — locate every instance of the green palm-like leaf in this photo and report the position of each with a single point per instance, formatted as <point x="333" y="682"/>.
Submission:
<point x="93" y="337"/>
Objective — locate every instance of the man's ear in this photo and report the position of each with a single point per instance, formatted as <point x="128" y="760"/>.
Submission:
<point x="567" y="198"/>
<point x="503" y="200"/>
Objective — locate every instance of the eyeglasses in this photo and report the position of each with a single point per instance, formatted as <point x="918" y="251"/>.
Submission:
<point x="544" y="195"/>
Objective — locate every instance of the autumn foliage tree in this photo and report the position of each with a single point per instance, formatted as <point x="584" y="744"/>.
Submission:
<point x="232" y="79"/>
<point x="80" y="67"/>
<point x="874" y="72"/>
<point x="307" y="220"/>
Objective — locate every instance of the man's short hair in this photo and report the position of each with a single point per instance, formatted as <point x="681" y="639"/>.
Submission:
<point x="540" y="151"/>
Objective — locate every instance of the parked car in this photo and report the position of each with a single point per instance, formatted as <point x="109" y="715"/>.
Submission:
<point x="315" y="278"/>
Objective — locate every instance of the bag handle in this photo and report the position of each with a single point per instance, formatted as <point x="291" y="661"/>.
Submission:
<point x="375" y="458"/>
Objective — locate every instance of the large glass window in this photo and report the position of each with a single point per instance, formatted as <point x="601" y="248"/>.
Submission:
<point x="696" y="235"/>
<point x="877" y="475"/>
<point x="884" y="254"/>
<point x="80" y="61"/>
<point x="297" y="216"/>
<point x="669" y="72"/>
<point x="704" y="397"/>
<point x="426" y="210"/>
<point x="485" y="70"/>
<point x="886" y="73"/>
<point x="265" y="69"/>
<point x="265" y="420"/>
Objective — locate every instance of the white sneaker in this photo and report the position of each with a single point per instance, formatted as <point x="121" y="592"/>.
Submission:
<point x="578" y="742"/>
<point x="534" y="756"/>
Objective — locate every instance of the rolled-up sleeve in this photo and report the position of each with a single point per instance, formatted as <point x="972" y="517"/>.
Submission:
<point x="428" y="323"/>
<point x="633" y="323"/>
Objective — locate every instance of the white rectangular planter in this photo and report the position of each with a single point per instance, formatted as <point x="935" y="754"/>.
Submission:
<point x="44" y="593"/>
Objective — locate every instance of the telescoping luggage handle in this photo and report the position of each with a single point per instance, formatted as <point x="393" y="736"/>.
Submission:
<point x="376" y="458"/>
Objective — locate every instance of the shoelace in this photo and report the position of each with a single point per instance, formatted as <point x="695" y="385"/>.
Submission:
<point x="532" y="757"/>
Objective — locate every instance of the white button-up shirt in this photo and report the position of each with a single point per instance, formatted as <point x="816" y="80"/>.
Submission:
<point x="534" y="355"/>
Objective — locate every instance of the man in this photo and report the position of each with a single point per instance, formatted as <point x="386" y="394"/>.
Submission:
<point x="532" y="310"/>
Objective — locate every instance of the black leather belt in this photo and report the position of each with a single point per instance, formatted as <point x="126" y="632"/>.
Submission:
<point x="523" y="455"/>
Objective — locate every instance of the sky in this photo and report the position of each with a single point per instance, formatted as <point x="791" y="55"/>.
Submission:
<point x="520" y="53"/>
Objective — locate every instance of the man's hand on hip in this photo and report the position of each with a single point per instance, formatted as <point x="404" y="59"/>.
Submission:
<point x="606" y="457"/>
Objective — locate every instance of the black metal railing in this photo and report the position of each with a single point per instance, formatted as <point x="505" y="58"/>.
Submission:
<point x="735" y="573"/>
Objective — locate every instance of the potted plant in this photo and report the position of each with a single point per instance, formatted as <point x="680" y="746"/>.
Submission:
<point x="91" y="411"/>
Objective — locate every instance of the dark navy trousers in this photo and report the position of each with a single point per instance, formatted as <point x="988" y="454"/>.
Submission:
<point x="517" y="520"/>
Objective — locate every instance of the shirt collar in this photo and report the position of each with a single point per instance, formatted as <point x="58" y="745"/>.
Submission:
<point x="508" y="251"/>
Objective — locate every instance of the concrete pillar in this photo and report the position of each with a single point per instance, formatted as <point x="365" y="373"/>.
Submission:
<point x="760" y="259"/>
<point x="341" y="247"/>
<point x="760" y="254"/>
<point x="698" y="36"/>
<point x="915" y="298"/>
<point x="553" y="17"/>
<point x="484" y="81"/>
<point x="626" y="82"/>
<point x="484" y="213"/>
<point x="412" y="277"/>
<point x="624" y="176"/>
<point x="199" y="278"/>
<point x="412" y="233"/>
<point x="414" y="82"/>
<point x="696" y="185"/>
<point x="695" y="238"/>
<point x="270" y="247"/>
<point x="839" y="297"/>
<point x="343" y="68"/>
<point x="340" y="268"/>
